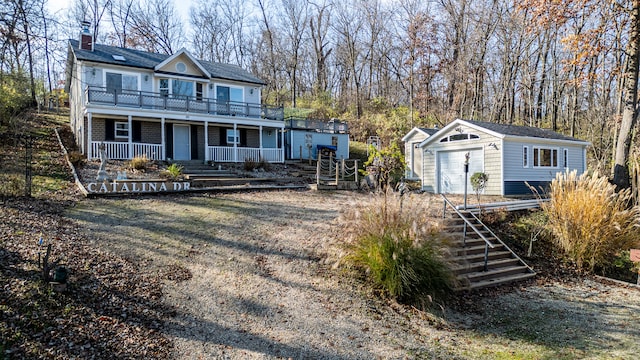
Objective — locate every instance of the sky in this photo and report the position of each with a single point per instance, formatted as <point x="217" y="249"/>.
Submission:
<point x="183" y="7"/>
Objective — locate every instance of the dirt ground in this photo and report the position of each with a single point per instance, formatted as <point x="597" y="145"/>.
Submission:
<point x="254" y="276"/>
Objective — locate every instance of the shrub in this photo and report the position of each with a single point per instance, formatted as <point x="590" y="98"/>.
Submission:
<point x="589" y="220"/>
<point x="76" y="158"/>
<point x="398" y="247"/>
<point x="139" y="163"/>
<point x="173" y="171"/>
<point x="388" y="165"/>
<point x="478" y="183"/>
<point x="251" y="164"/>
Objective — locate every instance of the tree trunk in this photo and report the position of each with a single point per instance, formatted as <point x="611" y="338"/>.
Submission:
<point x="629" y="113"/>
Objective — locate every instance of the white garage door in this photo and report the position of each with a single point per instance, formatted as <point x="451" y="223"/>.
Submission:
<point x="451" y="170"/>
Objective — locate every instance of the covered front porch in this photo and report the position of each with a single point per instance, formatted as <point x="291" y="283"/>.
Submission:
<point x="125" y="138"/>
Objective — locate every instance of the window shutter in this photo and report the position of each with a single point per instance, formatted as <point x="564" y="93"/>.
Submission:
<point x="169" y="140"/>
<point x="223" y="137"/>
<point x="194" y="142"/>
<point x="136" y="134"/>
<point x="109" y="130"/>
<point x="243" y="137"/>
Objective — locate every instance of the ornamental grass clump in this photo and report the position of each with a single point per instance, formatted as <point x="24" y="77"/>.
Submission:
<point x="591" y="222"/>
<point x="139" y="163"/>
<point x="398" y="248"/>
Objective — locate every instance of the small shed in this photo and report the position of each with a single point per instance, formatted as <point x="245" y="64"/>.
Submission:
<point x="412" y="151"/>
<point x="512" y="156"/>
<point x="304" y="137"/>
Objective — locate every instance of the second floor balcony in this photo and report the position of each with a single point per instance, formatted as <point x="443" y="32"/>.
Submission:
<point x="189" y="104"/>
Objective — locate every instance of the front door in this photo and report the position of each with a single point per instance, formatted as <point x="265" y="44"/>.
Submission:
<point x="181" y="142"/>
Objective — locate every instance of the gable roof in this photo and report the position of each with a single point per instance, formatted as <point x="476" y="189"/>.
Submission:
<point x="510" y="131"/>
<point x="426" y="131"/>
<point x="184" y="52"/>
<point x="146" y="60"/>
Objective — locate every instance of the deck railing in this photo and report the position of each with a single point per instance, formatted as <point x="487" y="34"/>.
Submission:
<point x="333" y="126"/>
<point x="157" y="101"/>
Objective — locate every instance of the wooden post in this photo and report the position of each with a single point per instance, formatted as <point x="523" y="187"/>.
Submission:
<point x="342" y="170"/>
<point x="318" y="168"/>
<point x="300" y="153"/>
<point x="355" y="166"/>
<point x="337" y="174"/>
<point x="634" y="256"/>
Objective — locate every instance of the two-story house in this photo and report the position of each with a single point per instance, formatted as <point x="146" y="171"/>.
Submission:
<point x="167" y="107"/>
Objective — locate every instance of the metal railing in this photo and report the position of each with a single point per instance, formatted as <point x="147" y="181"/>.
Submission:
<point x="158" y="101"/>
<point x="467" y="222"/>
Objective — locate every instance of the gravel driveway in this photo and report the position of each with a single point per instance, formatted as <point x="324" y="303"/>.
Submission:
<point x="251" y="276"/>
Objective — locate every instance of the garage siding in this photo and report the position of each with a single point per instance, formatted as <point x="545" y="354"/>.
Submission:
<point x="492" y="158"/>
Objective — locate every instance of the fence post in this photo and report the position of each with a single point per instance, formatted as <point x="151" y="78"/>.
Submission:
<point x="355" y="167"/>
<point x="342" y="170"/>
<point x="337" y="173"/>
<point x="318" y="169"/>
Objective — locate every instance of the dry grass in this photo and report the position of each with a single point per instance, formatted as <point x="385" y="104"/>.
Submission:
<point x="398" y="247"/>
<point x="589" y="220"/>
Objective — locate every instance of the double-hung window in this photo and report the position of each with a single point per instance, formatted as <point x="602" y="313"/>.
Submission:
<point x="525" y="156"/>
<point x="233" y="136"/>
<point x="121" y="129"/>
<point x="545" y="157"/>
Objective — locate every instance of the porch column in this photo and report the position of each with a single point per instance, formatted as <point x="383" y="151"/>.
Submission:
<point x="206" y="141"/>
<point x="130" y="147"/>
<point x="235" y="143"/>
<point x="282" y="144"/>
<point x="261" y="155"/>
<point x="162" y="140"/>
<point x="89" y="136"/>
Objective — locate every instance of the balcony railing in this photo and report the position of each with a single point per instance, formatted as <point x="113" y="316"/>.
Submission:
<point x="333" y="126"/>
<point x="157" y="101"/>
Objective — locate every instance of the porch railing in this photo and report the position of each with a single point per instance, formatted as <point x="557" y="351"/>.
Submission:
<point x="157" y="101"/>
<point x="120" y="150"/>
<point x="227" y="154"/>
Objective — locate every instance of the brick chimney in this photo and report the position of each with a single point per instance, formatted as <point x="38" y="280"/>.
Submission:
<point x="86" y="37"/>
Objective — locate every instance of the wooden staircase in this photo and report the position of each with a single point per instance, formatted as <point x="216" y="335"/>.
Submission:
<point x="481" y="259"/>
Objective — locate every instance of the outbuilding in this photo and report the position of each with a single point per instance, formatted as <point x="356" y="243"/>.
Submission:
<point x="512" y="156"/>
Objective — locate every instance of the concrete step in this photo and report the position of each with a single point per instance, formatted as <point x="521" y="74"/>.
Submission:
<point x="479" y="266"/>
<point x="476" y="249"/>
<point x="498" y="281"/>
<point x="495" y="273"/>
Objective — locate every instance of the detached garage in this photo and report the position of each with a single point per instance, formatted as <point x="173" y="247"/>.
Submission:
<point x="510" y="155"/>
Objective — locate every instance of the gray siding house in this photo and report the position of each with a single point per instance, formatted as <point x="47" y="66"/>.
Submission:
<point x="137" y="103"/>
<point x="511" y="155"/>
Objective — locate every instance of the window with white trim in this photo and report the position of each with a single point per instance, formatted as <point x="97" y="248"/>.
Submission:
<point x="525" y="156"/>
<point x="164" y="87"/>
<point x="119" y="82"/>
<point x="233" y="136"/>
<point x="121" y="129"/>
<point x="545" y="157"/>
<point x="459" y="137"/>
